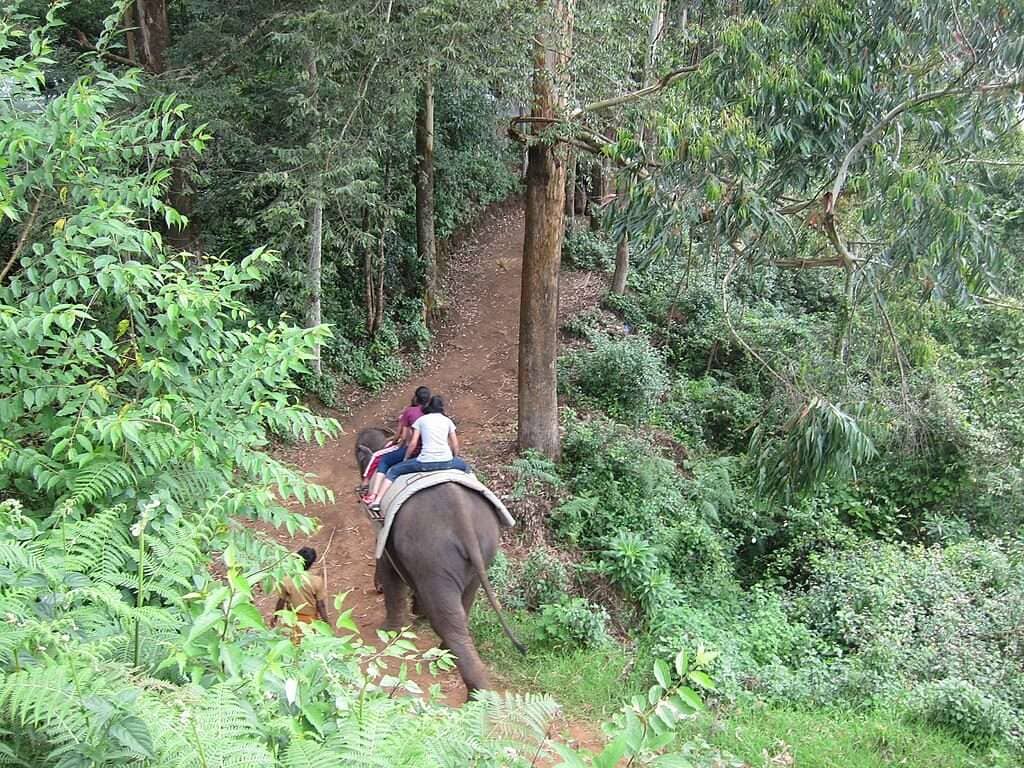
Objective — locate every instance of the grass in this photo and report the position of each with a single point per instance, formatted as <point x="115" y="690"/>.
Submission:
<point x="590" y="684"/>
<point x="770" y="735"/>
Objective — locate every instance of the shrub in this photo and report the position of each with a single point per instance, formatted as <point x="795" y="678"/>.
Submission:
<point x="705" y="411"/>
<point x="503" y="580"/>
<point x="543" y="579"/>
<point x="624" y="377"/>
<point x="915" y="615"/>
<point x="572" y="623"/>
<point x="587" y="251"/>
<point x="956" y="705"/>
<point x="620" y="484"/>
<point x="324" y="387"/>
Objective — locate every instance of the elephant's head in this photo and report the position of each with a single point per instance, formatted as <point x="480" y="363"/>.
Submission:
<point x="368" y="442"/>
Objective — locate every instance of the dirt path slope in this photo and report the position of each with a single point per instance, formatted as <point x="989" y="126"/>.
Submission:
<point x="473" y="365"/>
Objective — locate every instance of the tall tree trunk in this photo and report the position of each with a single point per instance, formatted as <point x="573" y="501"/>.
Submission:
<point x="154" y="34"/>
<point x="597" y="193"/>
<point x="316" y="231"/>
<point x="426" y="240"/>
<point x="570" y="186"/>
<point x="315" y="225"/>
<point x="542" y="245"/>
<point x="621" y="265"/>
<point x="128" y="21"/>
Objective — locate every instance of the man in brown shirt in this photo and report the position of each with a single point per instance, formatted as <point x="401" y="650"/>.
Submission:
<point x="305" y="595"/>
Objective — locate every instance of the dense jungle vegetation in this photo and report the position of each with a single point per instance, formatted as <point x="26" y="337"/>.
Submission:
<point x="778" y="468"/>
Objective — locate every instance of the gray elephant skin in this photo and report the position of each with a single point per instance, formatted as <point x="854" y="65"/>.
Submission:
<point x="441" y="543"/>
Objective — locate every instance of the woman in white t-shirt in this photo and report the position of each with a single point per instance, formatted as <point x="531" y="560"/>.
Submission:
<point x="434" y="434"/>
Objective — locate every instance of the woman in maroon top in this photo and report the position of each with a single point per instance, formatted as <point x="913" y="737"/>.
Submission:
<point x="397" y="454"/>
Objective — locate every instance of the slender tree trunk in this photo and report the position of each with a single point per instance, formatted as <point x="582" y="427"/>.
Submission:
<point x="597" y="193"/>
<point x="315" y="224"/>
<point x="128" y="20"/>
<point x="426" y="240"/>
<point x="653" y="35"/>
<point x="371" y="290"/>
<point x="316" y="231"/>
<point x="154" y="34"/>
<point x="378" y="320"/>
<point x="621" y="265"/>
<point x="570" y="187"/>
<point x="542" y="246"/>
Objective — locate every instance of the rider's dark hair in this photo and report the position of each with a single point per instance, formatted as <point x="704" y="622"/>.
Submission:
<point x="308" y="555"/>
<point x="436" y="405"/>
<point x="421" y="396"/>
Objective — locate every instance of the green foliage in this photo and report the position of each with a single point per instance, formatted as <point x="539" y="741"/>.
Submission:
<point x="819" y="442"/>
<point x="543" y="579"/>
<point x="572" y="623"/>
<point x="913" y="616"/>
<point x="586" y="250"/>
<point x="533" y="472"/>
<point x="624" y="377"/>
<point x="704" y="412"/>
<point x="830" y="737"/>
<point x="956" y="705"/>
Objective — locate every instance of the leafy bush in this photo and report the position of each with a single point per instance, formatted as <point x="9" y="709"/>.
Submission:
<point x="533" y="471"/>
<point x="586" y="250"/>
<point x="973" y="715"/>
<point x="573" y="623"/>
<point x="543" y="579"/>
<point x="910" y="615"/>
<point x="705" y="412"/>
<point x="624" y="377"/>
<point x="619" y="483"/>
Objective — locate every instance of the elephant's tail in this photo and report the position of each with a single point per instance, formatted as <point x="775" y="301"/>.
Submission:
<point x="476" y="557"/>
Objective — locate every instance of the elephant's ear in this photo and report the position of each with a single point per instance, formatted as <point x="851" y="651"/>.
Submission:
<point x="363" y="455"/>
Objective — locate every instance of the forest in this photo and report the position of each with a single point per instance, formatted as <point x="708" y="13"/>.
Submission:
<point x="726" y="298"/>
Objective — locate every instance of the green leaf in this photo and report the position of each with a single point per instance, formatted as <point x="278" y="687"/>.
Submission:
<point x="132" y="734"/>
<point x="247" y="615"/>
<point x="703" y="680"/>
<point x="662" y="674"/>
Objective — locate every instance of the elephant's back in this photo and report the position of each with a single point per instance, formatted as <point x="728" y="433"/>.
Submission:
<point x="442" y="516"/>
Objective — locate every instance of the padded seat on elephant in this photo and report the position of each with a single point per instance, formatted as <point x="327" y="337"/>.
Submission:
<point x="406" y="486"/>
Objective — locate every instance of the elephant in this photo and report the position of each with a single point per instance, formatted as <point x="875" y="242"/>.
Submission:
<point x="440" y="546"/>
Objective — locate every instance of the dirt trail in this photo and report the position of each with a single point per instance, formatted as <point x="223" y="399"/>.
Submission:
<point x="473" y="365"/>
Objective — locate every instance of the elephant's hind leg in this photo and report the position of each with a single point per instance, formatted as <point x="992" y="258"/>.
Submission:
<point x="469" y="595"/>
<point x="396" y="595"/>
<point x="448" y="618"/>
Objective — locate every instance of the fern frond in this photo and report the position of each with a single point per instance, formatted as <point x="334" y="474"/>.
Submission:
<point x="97" y="481"/>
<point x="522" y="717"/>
<point x="97" y="542"/>
<point x="303" y="753"/>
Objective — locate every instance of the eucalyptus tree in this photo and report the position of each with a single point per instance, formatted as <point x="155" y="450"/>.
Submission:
<point x="869" y="139"/>
<point x="554" y="125"/>
<point x="840" y="135"/>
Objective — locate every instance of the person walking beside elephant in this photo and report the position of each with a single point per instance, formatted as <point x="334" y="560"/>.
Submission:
<point x="435" y="432"/>
<point x="306" y="596"/>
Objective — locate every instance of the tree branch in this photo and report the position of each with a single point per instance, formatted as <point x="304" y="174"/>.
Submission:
<point x="83" y="42"/>
<point x="23" y="239"/>
<point x="658" y="85"/>
<point x="807" y="263"/>
<point x="738" y="250"/>
<point x="898" y="351"/>
<point x="892" y="114"/>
